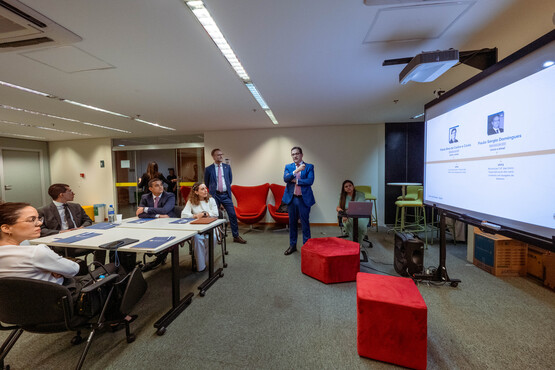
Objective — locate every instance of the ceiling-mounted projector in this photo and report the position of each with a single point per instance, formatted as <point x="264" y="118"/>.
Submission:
<point x="428" y="66"/>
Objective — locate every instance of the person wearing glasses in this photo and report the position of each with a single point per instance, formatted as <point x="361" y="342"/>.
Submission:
<point x="298" y="177"/>
<point x="199" y="205"/>
<point x="61" y="216"/>
<point x="20" y="222"/>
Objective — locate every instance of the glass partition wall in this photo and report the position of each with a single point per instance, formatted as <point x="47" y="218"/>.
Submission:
<point x="131" y="158"/>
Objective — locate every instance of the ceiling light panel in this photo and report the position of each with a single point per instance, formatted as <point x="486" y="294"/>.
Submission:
<point x="201" y="13"/>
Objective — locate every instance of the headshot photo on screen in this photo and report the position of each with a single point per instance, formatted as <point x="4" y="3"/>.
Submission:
<point x="495" y="123"/>
<point x="453" y="135"/>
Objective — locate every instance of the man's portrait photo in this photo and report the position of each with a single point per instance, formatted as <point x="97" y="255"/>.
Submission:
<point x="495" y="123"/>
<point x="453" y="135"/>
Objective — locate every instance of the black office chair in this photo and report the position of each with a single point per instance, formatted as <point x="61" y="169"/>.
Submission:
<point x="42" y="307"/>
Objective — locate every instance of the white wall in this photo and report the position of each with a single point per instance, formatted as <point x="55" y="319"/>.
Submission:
<point x="68" y="159"/>
<point x="355" y="152"/>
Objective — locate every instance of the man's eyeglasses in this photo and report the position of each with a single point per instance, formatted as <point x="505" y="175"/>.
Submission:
<point x="294" y="154"/>
<point x="33" y="219"/>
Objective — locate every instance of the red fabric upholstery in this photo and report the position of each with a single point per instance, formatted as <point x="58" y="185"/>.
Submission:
<point x="330" y="260"/>
<point x="392" y="322"/>
<point x="277" y="191"/>
<point x="185" y="190"/>
<point x="251" y="202"/>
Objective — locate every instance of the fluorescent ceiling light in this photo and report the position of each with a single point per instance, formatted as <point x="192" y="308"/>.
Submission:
<point x="25" y="136"/>
<point x="41" y="127"/>
<point x="153" y="124"/>
<point x="257" y="96"/>
<point x="417" y="116"/>
<point x="83" y="106"/>
<point x="25" y="89"/>
<point x="549" y="63"/>
<point x="199" y="10"/>
<point x="62" y="118"/>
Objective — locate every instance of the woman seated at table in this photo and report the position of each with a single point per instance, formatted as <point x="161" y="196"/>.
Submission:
<point x="199" y="205"/>
<point x="20" y="222"/>
<point x="348" y="194"/>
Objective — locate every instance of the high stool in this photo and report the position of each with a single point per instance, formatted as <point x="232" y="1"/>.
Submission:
<point x="367" y="190"/>
<point x="392" y="320"/>
<point x="330" y="260"/>
<point x="419" y="215"/>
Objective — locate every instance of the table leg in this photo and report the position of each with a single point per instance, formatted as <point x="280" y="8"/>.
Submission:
<point x="178" y="305"/>
<point x="212" y="275"/>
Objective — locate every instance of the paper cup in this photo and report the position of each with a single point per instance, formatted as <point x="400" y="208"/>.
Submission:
<point x="119" y="218"/>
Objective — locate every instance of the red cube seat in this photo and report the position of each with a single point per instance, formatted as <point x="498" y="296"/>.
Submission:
<point x="330" y="260"/>
<point x="392" y="321"/>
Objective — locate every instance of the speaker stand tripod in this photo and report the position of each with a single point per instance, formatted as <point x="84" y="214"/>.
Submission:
<point x="440" y="274"/>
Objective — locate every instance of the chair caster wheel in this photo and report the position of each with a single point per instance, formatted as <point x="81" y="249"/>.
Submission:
<point x="454" y="285"/>
<point x="161" y="331"/>
<point x="131" y="338"/>
<point x="226" y="253"/>
<point x="76" y="340"/>
<point x="222" y="274"/>
<point x="202" y="293"/>
<point x="225" y="265"/>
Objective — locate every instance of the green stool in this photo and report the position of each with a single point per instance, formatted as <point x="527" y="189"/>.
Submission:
<point x="367" y="190"/>
<point x="419" y="215"/>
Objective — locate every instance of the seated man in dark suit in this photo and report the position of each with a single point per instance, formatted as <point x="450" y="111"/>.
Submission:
<point x="157" y="204"/>
<point x="61" y="216"/>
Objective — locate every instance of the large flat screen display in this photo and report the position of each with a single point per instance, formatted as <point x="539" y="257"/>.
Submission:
<point x="490" y="144"/>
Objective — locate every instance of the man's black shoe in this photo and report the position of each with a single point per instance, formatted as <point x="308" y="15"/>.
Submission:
<point x="290" y="250"/>
<point x="153" y="264"/>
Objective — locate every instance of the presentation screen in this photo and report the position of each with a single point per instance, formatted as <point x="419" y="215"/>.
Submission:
<point x="490" y="144"/>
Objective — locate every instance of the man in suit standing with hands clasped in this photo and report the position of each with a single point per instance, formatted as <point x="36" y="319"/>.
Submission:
<point x="218" y="177"/>
<point x="299" y="177"/>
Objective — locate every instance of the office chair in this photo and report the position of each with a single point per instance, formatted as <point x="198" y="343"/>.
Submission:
<point x="38" y="306"/>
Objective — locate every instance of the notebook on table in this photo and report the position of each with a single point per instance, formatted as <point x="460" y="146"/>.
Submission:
<point x="204" y="220"/>
<point x="359" y="209"/>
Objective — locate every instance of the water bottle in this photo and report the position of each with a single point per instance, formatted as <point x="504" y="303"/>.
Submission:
<point x="111" y="214"/>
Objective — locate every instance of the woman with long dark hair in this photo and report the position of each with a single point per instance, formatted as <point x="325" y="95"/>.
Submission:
<point x="348" y="194"/>
<point x="199" y="205"/>
<point x="151" y="173"/>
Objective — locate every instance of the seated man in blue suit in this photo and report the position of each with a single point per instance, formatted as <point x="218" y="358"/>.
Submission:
<point x="157" y="204"/>
<point x="299" y="177"/>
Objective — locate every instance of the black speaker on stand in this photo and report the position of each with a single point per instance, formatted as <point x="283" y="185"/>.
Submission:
<point x="408" y="256"/>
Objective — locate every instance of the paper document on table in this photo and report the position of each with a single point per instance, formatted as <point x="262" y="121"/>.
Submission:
<point x="182" y="221"/>
<point x="154" y="243"/>
<point x="102" y="226"/>
<point x="76" y="238"/>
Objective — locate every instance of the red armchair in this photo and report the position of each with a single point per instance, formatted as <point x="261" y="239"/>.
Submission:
<point x="185" y="190"/>
<point x="251" y="203"/>
<point x="280" y="218"/>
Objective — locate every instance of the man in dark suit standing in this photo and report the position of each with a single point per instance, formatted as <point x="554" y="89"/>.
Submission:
<point x="218" y="177"/>
<point x="61" y="216"/>
<point x="156" y="204"/>
<point x="299" y="177"/>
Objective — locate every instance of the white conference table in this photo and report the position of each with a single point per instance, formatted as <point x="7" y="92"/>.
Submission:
<point x="133" y="223"/>
<point x="118" y="232"/>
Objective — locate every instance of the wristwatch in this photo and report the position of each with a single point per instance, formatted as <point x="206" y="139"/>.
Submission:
<point x="204" y="214"/>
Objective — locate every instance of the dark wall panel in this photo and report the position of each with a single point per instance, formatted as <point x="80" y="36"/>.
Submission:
<point x="404" y="160"/>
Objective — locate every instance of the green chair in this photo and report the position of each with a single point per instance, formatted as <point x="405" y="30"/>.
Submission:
<point x="411" y="194"/>
<point x="367" y="190"/>
<point x="419" y="215"/>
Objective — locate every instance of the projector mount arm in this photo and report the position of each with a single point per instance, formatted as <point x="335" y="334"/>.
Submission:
<point x="480" y="59"/>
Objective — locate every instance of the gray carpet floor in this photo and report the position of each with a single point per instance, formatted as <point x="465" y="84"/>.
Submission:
<point x="265" y="314"/>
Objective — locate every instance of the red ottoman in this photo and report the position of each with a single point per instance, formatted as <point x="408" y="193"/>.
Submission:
<point x="330" y="260"/>
<point x="392" y="321"/>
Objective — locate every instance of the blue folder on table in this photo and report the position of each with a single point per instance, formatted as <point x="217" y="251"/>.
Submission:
<point x="182" y="221"/>
<point x="102" y="226"/>
<point x="141" y="220"/>
<point x="76" y="238"/>
<point x="154" y="243"/>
